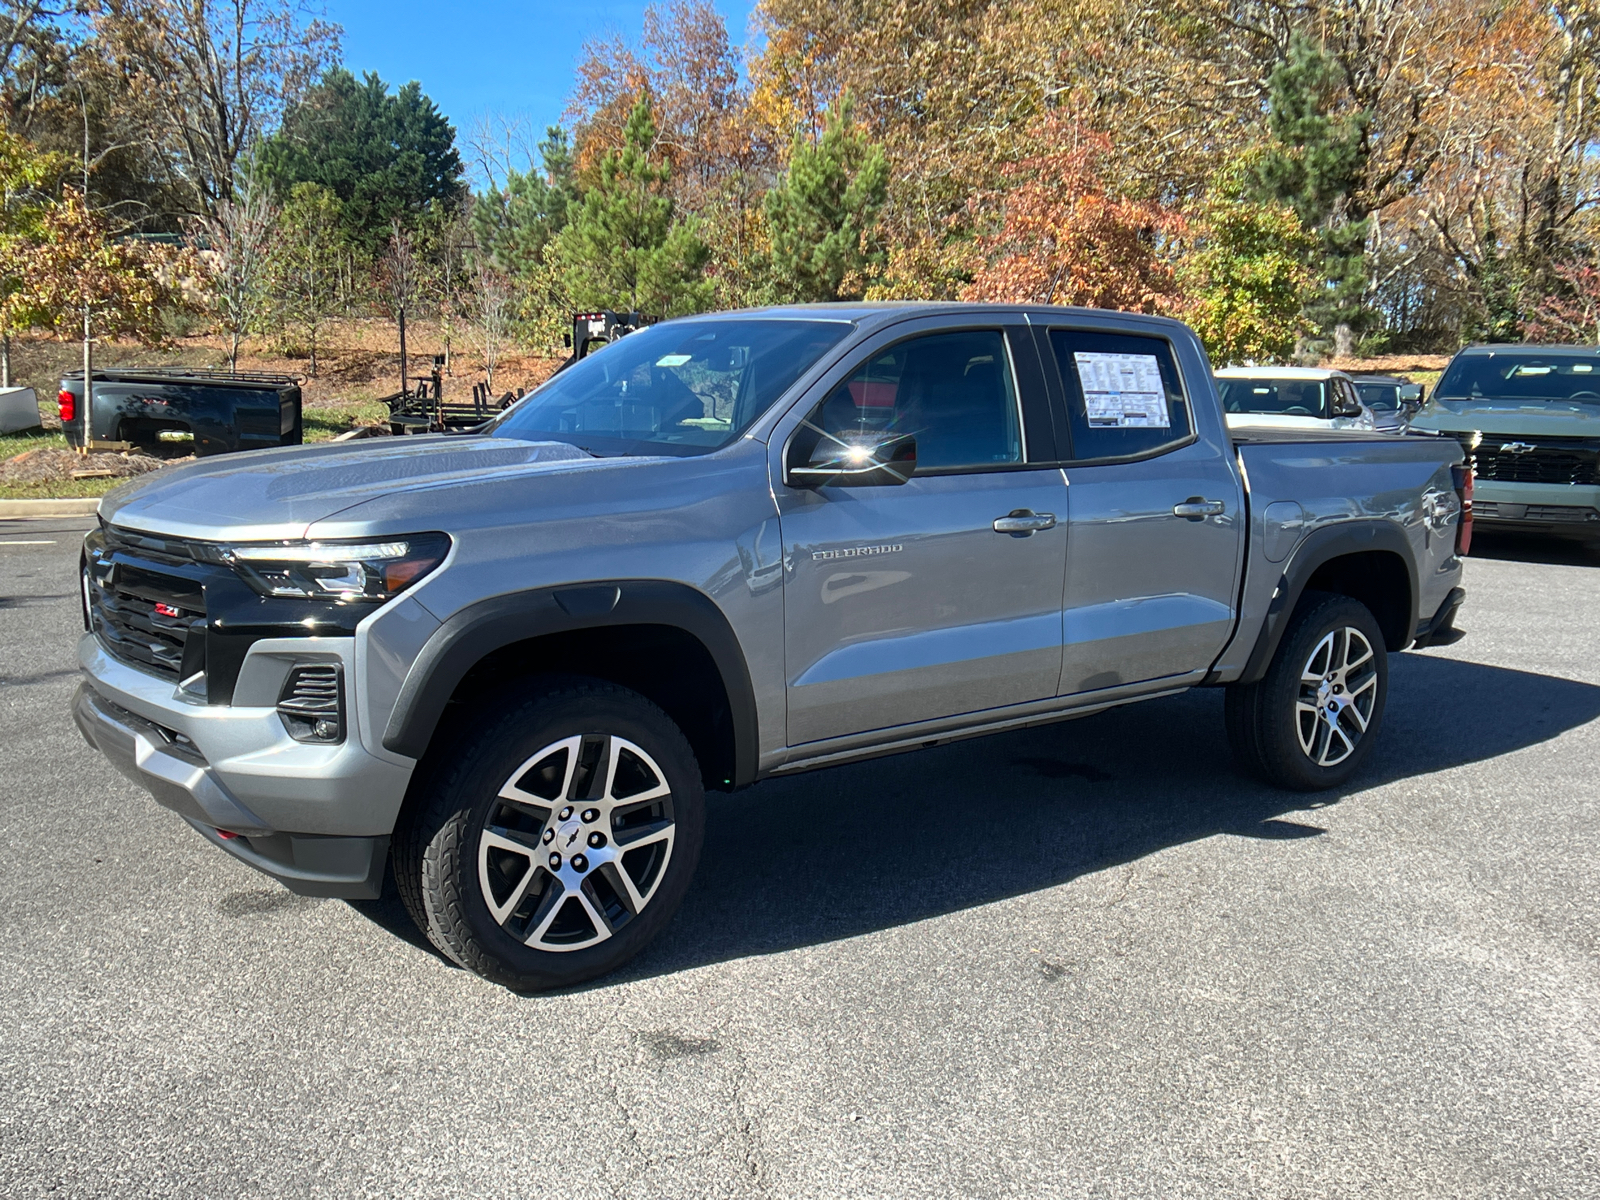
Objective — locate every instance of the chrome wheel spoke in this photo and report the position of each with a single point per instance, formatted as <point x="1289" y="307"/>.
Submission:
<point x="1334" y="731"/>
<point x="550" y="906"/>
<point x="1358" y="716"/>
<point x="631" y="837"/>
<point x="515" y="794"/>
<point x="489" y="864"/>
<point x="622" y="883"/>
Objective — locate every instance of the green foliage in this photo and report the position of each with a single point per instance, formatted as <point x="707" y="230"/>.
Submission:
<point x="1246" y="275"/>
<point x="384" y="156"/>
<point x="624" y="247"/>
<point x="512" y="225"/>
<point x="1316" y="163"/>
<point x="1499" y="285"/>
<point x="304" y="264"/>
<point x="821" y="216"/>
<point x="25" y="173"/>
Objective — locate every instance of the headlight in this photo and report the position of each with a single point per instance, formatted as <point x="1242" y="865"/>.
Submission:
<point x="370" y="569"/>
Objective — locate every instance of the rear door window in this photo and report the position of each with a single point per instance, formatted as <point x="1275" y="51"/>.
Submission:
<point x="1123" y="394"/>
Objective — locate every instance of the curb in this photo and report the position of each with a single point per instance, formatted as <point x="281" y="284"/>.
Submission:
<point x="76" y="506"/>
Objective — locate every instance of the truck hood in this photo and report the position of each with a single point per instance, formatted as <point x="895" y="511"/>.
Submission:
<point x="267" y="495"/>
<point x="1519" y="420"/>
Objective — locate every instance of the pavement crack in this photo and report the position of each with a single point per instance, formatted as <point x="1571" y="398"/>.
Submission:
<point x="746" y="1125"/>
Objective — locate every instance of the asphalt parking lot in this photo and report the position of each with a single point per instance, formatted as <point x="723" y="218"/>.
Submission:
<point x="1085" y="960"/>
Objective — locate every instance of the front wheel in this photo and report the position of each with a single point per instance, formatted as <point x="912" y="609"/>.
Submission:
<point x="1312" y="719"/>
<point x="559" y="839"/>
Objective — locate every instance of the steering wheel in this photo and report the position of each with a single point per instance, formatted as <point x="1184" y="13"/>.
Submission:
<point x="1297" y="411"/>
<point x="1584" y="396"/>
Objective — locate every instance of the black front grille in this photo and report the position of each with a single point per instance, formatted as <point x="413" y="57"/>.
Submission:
<point x="1550" y="460"/>
<point x="146" y="604"/>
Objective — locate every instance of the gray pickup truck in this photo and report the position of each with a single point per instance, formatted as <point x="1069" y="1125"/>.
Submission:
<point x="725" y="548"/>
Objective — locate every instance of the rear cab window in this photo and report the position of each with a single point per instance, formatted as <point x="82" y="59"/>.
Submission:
<point x="1123" y="395"/>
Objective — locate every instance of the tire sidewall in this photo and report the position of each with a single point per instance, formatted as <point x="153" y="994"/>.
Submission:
<point x="470" y="794"/>
<point x="1292" y="767"/>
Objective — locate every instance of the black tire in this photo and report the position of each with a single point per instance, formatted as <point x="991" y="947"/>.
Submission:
<point x="1271" y="722"/>
<point x="499" y="776"/>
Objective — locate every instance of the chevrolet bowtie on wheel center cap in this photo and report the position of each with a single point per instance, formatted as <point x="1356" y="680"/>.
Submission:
<point x="578" y="843"/>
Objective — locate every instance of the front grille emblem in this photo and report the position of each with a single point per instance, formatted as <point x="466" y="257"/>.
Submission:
<point x="1517" y="447"/>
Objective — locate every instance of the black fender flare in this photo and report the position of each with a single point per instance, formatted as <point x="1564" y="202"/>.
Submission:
<point x="480" y="629"/>
<point x="1320" y="547"/>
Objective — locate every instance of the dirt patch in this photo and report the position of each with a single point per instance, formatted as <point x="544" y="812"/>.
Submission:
<point x="50" y="465"/>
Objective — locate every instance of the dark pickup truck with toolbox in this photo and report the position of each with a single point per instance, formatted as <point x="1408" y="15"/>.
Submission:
<point x="212" y="412"/>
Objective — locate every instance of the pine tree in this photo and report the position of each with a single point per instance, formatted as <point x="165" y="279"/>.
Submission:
<point x="386" y="156"/>
<point x="625" y="248"/>
<point x="512" y="225"/>
<point x="821" y="216"/>
<point x="1316" y="164"/>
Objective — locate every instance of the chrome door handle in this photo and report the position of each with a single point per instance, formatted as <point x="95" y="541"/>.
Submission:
<point x="1196" y="509"/>
<point x="1022" y="522"/>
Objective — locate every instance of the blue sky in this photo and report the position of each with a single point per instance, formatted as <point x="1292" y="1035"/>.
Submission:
<point x="491" y="56"/>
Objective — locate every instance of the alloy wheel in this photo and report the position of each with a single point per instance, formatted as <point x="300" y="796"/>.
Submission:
<point x="576" y="843"/>
<point x="1338" y="690"/>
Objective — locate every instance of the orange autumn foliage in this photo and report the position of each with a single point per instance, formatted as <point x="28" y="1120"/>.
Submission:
<point x="1062" y="238"/>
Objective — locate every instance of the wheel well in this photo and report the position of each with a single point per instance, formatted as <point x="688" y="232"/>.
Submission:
<point x="1378" y="579"/>
<point x="668" y="666"/>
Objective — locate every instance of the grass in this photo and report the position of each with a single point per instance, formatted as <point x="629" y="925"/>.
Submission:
<point x="322" y="421"/>
<point x="59" y="489"/>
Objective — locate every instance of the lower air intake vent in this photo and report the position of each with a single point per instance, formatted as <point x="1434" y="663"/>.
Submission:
<point x="312" y="703"/>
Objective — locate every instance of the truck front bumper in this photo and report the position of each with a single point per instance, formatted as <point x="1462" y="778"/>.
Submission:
<point x="1536" y="508"/>
<point x="315" y="817"/>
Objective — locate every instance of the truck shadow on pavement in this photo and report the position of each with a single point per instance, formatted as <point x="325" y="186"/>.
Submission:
<point x="857" y="849"/>
<point x="853" y="850"/>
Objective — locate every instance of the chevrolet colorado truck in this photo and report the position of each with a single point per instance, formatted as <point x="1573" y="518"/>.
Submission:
<point x="507" y="665"/>
<point x="1528" y="418"/>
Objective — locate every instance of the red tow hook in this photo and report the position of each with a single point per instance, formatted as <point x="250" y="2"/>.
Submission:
<point x="226" y="835"/>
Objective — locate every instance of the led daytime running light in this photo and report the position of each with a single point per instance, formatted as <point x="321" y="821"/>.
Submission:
<point x="321" y="552"/>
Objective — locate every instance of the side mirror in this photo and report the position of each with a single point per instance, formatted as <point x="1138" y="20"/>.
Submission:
<point x="1346" y="404"/>
<point x="869" y="462"/>
<point x="1411" y="396"/>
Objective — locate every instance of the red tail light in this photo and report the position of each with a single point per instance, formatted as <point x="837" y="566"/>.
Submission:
<point x="68" y="404"/>
<point x="1463" y="481"/>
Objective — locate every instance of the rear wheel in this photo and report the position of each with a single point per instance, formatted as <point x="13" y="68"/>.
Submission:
<point x="558" y="840"/>
<point x="1311" y="721"/>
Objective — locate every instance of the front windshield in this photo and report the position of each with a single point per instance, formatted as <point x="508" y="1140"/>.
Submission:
<point x="1380" y="397"/>
<point x="1522" y="378"/>
<point x="1276" y="397"/>
<point x="686" y="387"/>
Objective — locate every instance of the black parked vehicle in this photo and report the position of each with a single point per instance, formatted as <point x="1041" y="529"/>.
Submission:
<point x="183" y="408"/>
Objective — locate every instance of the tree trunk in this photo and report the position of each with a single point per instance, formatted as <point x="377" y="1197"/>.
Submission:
<point x="88" y="383"/>
<point x="403" y="369"/>
<point x="5" y="360"/>
<point x="1344" y="341"/>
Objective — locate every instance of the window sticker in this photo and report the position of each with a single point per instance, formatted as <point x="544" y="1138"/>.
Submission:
<point x="1123" y="391"/>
